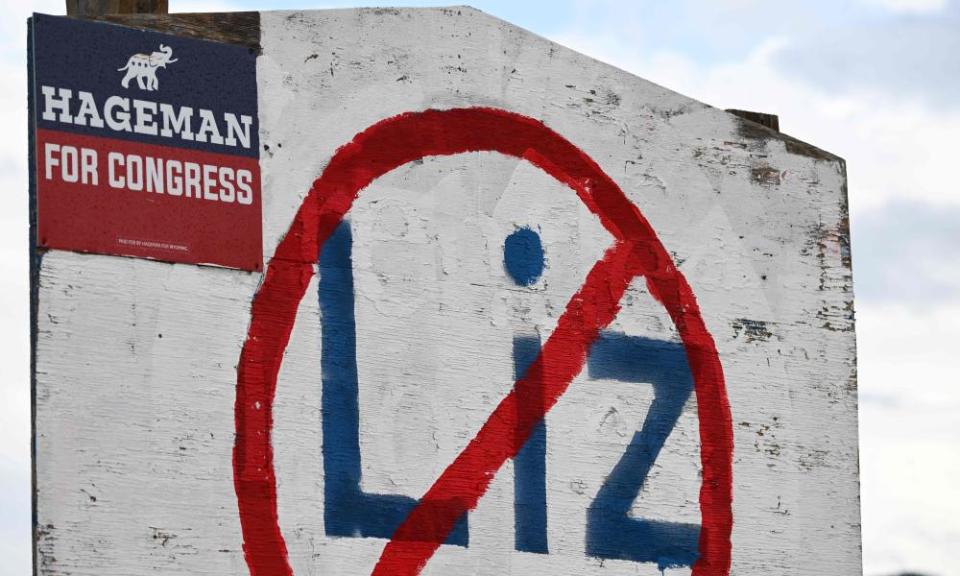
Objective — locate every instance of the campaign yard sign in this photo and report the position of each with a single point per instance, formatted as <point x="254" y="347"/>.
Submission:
<point x="521" y="312"/>
<point x="145" y="144"/>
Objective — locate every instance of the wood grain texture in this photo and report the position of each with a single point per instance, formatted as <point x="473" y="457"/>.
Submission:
<point x="88" y="8"/>
<point x="241" y="28"/>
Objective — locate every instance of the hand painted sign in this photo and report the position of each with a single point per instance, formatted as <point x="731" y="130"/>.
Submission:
<point x="416" y="531"/>
<point x="522" y="313"/>
<point x="142" y="151"/>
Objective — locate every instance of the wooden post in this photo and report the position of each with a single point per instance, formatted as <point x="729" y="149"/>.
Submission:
<point x="93" y="8"/>
<point x="771" y="121"/>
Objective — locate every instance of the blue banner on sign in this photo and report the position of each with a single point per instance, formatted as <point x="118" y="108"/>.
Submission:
<point x="111" y="81"/>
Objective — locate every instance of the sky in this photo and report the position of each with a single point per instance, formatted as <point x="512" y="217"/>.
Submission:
<point x="876" y="82"/>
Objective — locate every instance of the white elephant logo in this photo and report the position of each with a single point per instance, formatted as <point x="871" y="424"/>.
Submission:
<point x="144" y="67"/>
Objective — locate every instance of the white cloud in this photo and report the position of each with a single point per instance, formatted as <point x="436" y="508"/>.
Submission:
<point x="910" y="443"/>
<point x="909" y="57"/>
<point x="909" y="5"/>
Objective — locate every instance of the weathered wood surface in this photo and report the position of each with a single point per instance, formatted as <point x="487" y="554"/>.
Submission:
<point x="136" y="360"/>
<point x="88" y="8"/>
<point x="232" y="27"/>
<point x="771" y="121"/>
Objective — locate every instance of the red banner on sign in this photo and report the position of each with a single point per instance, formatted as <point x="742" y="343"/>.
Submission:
<point x="111" y="196"/>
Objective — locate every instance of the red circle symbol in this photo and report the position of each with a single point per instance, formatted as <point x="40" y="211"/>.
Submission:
<point x="636" y="251"/>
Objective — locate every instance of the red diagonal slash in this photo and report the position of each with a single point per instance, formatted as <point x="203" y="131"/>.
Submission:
<point x="636" y="251"/>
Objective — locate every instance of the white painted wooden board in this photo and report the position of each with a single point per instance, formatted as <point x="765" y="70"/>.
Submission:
<point x="136" y="360"/>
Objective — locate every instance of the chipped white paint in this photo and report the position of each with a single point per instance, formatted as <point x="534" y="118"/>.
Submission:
<point x="136" y="360"/>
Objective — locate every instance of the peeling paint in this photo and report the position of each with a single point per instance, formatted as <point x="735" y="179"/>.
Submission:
<point x="752" y="330"/>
